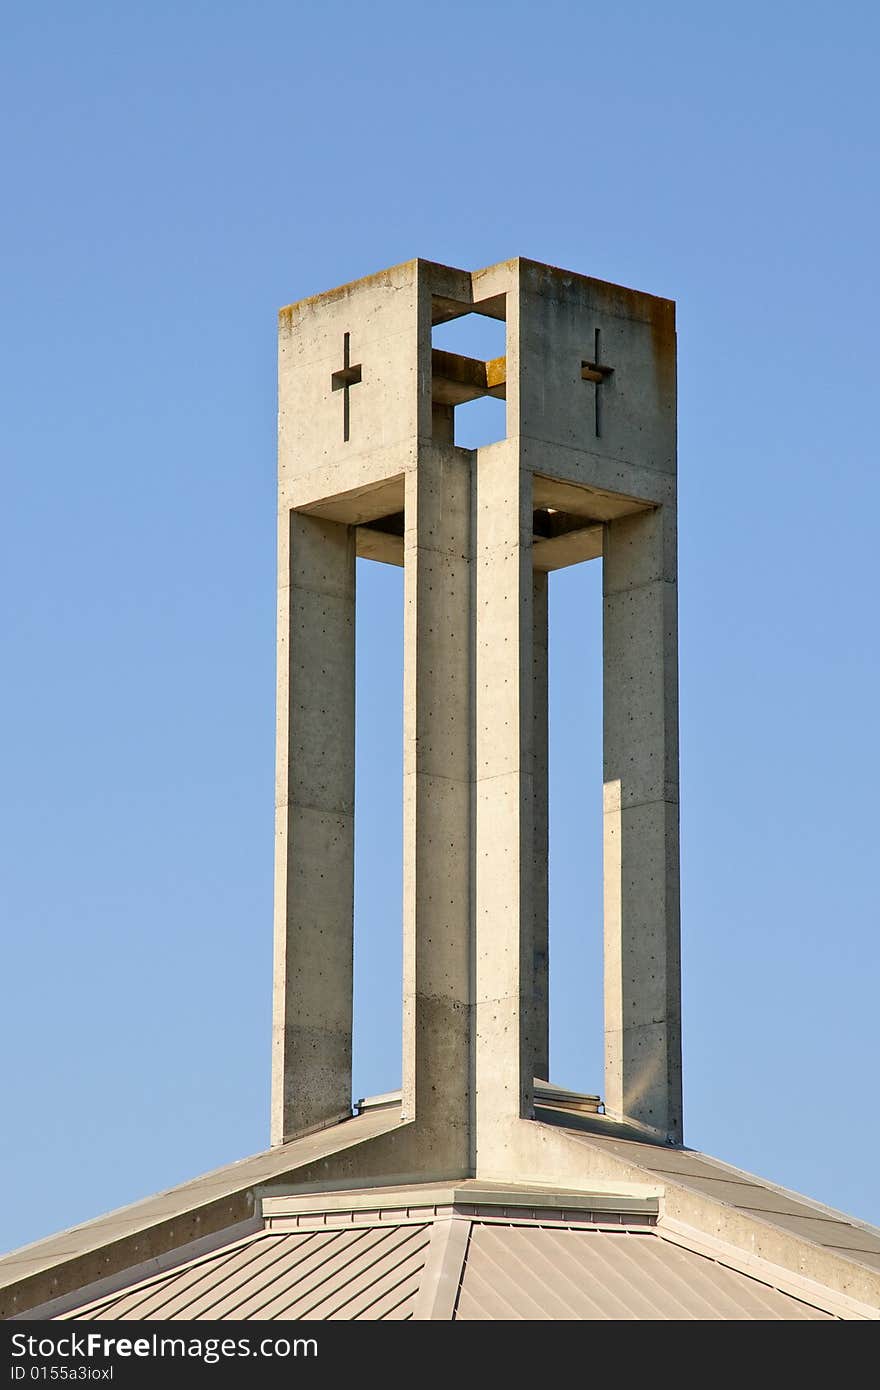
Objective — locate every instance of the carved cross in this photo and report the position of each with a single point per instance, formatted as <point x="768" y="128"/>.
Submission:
<point x="597" y="372"/>
<point x="342" y="380"/>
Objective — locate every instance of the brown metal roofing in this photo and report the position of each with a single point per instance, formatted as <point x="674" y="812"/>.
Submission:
<point x="370" y="1273"/>
<point x="539" y="1273"/>
<point x="509" y="1272"/>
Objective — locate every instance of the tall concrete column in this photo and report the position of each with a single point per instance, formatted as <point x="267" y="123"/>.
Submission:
<point x="314" y="865"/>
<point x="642" y="983"/>
<point x="437" y="1061"/>
<point x="504" y="921"/>
<point x="540" y="1044"/>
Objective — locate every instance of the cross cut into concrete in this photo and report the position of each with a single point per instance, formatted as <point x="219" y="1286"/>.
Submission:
<point x="480" y="1190"/>
<point x="478" y="532"/>
<point x="597" y="372"/>
<point x="342" y="380"/>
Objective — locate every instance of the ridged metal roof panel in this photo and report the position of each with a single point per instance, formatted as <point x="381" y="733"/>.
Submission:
<point x="369" y="1273"/>
<point x="540" y="1273"/>
<point x="511" y="1272"/>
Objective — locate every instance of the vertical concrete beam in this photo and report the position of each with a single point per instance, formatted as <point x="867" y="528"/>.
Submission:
<point x="504" y="925"/>
<point x="540" y="1043"/>
<point x="314" y="864"/>
<point x="437" y="907"/>
<point x="642" y="958"/>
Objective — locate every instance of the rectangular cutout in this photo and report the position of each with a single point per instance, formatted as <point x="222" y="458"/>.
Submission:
<point x="575" y="838"/>
<point x="378" y="834"/>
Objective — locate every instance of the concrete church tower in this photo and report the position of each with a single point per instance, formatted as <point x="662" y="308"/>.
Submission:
<point x="367" y="466"/>
<point x="480" y="1191"/>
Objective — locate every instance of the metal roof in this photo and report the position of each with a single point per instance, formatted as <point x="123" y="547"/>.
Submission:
<point x="498" y="1270"/>
<point x="535" y="1273"/>
<point x="372" y="1273"/>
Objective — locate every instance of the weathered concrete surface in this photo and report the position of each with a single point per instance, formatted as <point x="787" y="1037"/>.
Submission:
<point x="593" y="445"/>
<point x="380" y="314"/>
<point x="642" y="956"/>
<point x="314" y="892"/>
<point x="437" y="780"/>
<point x="503" y="839"/>
<point x="560" y="315"/>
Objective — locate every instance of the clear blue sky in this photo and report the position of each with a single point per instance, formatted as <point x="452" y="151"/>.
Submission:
<point x="175" y="172"/>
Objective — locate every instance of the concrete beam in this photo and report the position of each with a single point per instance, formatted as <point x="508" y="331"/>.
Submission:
<point x="457" y="379"/>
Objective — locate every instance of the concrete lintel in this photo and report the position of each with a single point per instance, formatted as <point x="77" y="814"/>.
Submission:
<point x="444" y="309"/>
<point x="356" y="474"/>
<point x="586" y="467"/>
<point x="360" y="505"/>
<point x="456" y="378"/>
<point x="593" y="504"/>
<point x="381" y="546"/>
<point x="574" y="548"/>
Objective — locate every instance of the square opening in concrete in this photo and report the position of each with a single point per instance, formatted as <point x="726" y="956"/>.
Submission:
<point x="469" y="374"/>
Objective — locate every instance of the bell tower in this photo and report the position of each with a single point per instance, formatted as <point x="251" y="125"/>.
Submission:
<point x="587" y="471"/>
<point x="481" y="1192"/>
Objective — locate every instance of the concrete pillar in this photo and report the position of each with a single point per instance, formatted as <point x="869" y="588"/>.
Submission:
<point x="504" y="924"/>
<point x="540" y="1044"/>
<point x="642" y="986"/>
<point x="314" y="866"/>
<point x="437" y="816"/>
